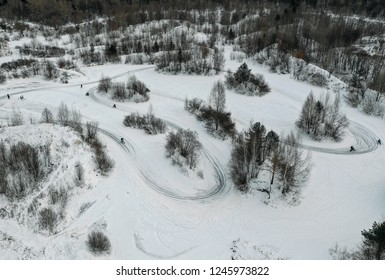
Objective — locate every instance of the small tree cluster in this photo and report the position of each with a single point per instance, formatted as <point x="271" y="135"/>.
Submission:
<point x="217" y="121"/>
<point x="50" y="70"/>
<point x="183" y="147"/>
<point x="37" y="49"/>
<point x="26" y="164"/>
<point x="105" y="84"/>
<point x="322" y="118"/>
<point x="98" y="243"/>
<point x="193" y="60"/>
<point x="137" y="90"/>
<point x="257" y="150"/>
<point x="293" y="168"/>
<point x="134" y="90"/>
<point x="91" y="57"/>
<point x="21" y="68"/>
<point x="244" y="82"/>
<point x="65" y="117"/>
<point x="250" y="150"/>
<point x="149" y="123"/>
<point x="103" y="162"/>
<point x="58" y="196"/>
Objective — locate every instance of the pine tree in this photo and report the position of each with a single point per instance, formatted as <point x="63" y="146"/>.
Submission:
<point x="373" y="247"/>
<point x="242" y="74"/>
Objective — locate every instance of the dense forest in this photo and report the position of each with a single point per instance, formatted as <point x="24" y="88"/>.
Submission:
<point x="58" y="12"/>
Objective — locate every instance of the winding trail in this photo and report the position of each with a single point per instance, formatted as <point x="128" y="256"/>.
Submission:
<point x="366" y="142"/>
<point x="221" y="187"/>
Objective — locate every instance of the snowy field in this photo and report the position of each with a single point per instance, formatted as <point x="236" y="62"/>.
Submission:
<point x="150" y="210"/>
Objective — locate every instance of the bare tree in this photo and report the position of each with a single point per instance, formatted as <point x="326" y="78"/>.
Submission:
<point x="16" y="118"/>
<point x="50" y="71"/>
<point x="119" y="91"/>
<point x="217" y="98"/>
<point x="91" y="131"/>
<point x="63" y="115"/>
<point x="47" y="116"/>
<point x="218" y="60"/>
<point x="185" y="144"/>
<point x="336" y="122"/>
<point x="294" y="167"/>
<point x="105" y="84"/>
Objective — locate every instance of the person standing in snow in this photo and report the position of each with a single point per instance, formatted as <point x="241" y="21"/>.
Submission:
<point x="8" y="96"/>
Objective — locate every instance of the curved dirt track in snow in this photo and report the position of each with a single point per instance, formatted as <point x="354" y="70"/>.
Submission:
<point x="366" y="142"/>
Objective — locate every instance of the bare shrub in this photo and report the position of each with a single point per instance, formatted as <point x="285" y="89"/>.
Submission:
<point x="50" y="70"/>
<point x="16" y="118"/>
<point x="148" y="122"/>
<point x="91" y="131"/>
<point x="105" y="84"/>
<point x="58" y="196"/>
<point x="338" y="253"/>
<point x="103" y="162"/>
<point x="136" y="87"/>
<point x="75" y="121"/>
<point x="21" y="168"/>
<point x="98" y="243"/>
<point x="194" y="105"/>
<point x="63" y="115"/>
<point x="79" y="174"/>
<point x="48" y="219"/>
<point x="46" y="116"/>
<point x="373" y="107"/>
<point x="184" y="143"/>
<point x="119" y="91"/>
<point x="217" y="122"/>
<point x="3" y="78"/>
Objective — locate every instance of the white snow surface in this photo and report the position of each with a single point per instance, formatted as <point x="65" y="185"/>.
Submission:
<point x="150" y="210"/>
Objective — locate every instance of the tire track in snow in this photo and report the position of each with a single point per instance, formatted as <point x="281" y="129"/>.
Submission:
<point x="221" y="187"/>
<point x="74" y="85"/>
<point x="366" y="142"/>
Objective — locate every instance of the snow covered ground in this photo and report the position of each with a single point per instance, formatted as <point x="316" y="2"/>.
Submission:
<point x="150" y="210"/>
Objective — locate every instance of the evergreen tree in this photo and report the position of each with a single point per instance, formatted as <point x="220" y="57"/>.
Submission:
<point x="373" y="246"/>
<point x="242" y="74"/>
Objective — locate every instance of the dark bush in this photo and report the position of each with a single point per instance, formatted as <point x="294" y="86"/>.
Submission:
<point x="103" y="162"/>
<point x="244" y="82"/>
<point x="98" y="243"/>
<point x="47" y="219"/>
<point x="217" y="123"/>
<point x="183" y="143"/>
<point x="150" y="123"/>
